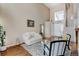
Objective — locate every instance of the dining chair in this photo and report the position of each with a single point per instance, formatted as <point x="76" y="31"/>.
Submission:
<point x="68" y="38"/>
<point x="55" y="48"/>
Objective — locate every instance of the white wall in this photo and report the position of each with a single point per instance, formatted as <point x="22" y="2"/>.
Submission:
<point x="16" y="16"/>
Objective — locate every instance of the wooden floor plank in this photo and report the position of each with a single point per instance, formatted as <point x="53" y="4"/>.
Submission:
<point x="16" y="51"/>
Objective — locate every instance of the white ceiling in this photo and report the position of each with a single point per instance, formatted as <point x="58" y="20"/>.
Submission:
<point x="51" y="5"/>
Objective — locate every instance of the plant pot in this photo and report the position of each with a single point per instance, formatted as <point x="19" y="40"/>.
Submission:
<point x="3" y="48"/>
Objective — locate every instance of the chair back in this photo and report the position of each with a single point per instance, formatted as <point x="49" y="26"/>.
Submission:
<point x="56" y="48"/>
<point x="68" y="37"/>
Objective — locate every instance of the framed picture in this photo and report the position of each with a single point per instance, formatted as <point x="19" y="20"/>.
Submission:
<point x="30" y="23"/>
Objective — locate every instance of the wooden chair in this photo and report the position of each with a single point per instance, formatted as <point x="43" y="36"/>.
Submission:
<point x="55" y="48"/>
<point x="68" y="37"/>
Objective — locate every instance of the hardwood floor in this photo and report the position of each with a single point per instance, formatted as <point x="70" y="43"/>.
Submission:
<point x="16" y="51"/>
<point x="74" y="49"/>
<point x="20" y="51"/>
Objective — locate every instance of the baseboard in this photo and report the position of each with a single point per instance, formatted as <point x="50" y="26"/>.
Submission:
<point x="14" y="44"/>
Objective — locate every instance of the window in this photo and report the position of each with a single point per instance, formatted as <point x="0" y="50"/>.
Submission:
<point x="58" y="23"/>
<point x="59" y="16"/>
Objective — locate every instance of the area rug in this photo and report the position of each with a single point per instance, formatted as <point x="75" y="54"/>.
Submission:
<point x="34" y="49"/>
<point x="37" y="49"/>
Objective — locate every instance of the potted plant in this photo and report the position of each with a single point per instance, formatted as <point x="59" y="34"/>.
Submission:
<point x="2" y="39"/>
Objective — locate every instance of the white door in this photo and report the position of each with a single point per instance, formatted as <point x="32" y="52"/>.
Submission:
<point x="58" y="29"/>
<point x="47" y="29"/>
